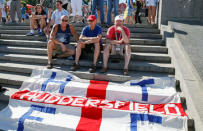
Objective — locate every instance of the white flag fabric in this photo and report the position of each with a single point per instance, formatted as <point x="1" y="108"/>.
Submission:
<point x="56" y="100"/>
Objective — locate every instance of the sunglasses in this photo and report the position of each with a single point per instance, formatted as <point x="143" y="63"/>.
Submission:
<point x="64" y="20"/>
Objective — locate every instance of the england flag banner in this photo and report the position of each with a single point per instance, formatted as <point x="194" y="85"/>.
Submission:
<point x="53" y="100"/>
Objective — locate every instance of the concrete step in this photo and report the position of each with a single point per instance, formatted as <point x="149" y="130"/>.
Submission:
<point x="42" y="50"/>
<point x="134" y="65"/>
<point x="12" y="78"/>
<point x="78" y="29"/>
<point x="21" y="71"/>
<point x="133" y="35"/>
<point x="35" y="43"/>
<point x="82" y="25"/>
<point x="140" y="38"/>
<point x="149" y="49"/>
<point x="152" y="57"/>
<point x="23" y="50"/>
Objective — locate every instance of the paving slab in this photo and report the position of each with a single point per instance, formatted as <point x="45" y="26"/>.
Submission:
<point x="189" y="83"/>
<point x="190" y="35"/>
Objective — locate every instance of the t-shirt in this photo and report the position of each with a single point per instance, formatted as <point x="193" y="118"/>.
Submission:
<point x="56" y="16"/>
<point x="111" y="34"/>
<point x="91" y="33"/>
<point x="23" y="9"/>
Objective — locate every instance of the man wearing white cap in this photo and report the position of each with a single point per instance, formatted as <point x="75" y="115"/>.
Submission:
<point x="118" y="36"/>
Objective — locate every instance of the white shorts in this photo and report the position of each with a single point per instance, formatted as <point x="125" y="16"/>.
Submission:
<point x="151" y="2"/>
<point x="76" y="7"/>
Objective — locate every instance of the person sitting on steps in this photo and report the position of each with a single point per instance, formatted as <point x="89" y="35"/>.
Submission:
<point x="37" y="21"/>
<point x="117" y="39"/>
<point x="90" y="38"/>
<point x="59" y="41"/>
<point x="55" y="17"/>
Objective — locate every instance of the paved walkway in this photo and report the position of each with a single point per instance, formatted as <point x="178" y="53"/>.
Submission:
<point x="190" y="34"/>
<point x="187" y="48"/>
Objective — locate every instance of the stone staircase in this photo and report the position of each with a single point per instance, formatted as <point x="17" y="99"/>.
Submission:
<point x="19" y="54"/>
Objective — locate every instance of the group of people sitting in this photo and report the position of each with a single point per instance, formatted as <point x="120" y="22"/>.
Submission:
<point x="40" y="22"/>
<point x="90" y="41"/>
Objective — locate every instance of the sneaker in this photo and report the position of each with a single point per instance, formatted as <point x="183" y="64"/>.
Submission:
<point x="75" y="67"/>
<point x="92" y="69"/>
<point x="40" y="33"/>
<point x="29" y="34"/>
<point x="103" y="70"/>
<point x="2" y="89"/>
<point x="125" y="72"/>
<point x="50" y="66"/>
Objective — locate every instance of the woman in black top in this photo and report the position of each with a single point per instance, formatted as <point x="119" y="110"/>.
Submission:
<point x="37" y="20"/>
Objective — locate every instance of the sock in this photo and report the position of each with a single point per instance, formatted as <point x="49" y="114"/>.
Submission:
<point x="31" y="31"/>
<point x="40" y="30"/>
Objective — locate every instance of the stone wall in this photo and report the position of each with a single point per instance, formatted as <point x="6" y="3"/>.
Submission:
<point x="201" y="11"/>
<point x="180" y="9"/>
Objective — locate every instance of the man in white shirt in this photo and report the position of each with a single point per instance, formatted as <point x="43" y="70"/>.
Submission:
<point x="56" y="17"/>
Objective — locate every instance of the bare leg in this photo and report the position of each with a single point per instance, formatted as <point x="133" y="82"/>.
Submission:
<point x="153" y="14"/>
<point x="98" y="16"/>
<point x="47" y="32"/>
<point x="127" y="20"/>
<point x="32" y="24"/>
<point x="127" y="55"/>
<point x="50" y="47"/>
<point x="96" y="52"/>
<point x="149" y="14"/>
<point x="0" y="14"/>
<point x="106" y="55"/>
<point x="78" y="52"/>
<point x="42" y="23"/>
<point x="131" y="20"/>
<point x="105" y="9"/>
<point x="49" y="13"/>
<point x="68" y="53"/>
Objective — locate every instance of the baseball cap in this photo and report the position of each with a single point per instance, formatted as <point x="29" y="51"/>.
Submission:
<point x="91" y="17"/>
<point x="118" y="17"/>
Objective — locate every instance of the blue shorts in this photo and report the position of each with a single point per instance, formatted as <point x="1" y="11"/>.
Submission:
<point x="130" y="11"/>
<point x="23" y="16"/>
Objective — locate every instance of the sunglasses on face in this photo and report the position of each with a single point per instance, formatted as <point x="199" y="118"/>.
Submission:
<point x="64" y="20"/>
